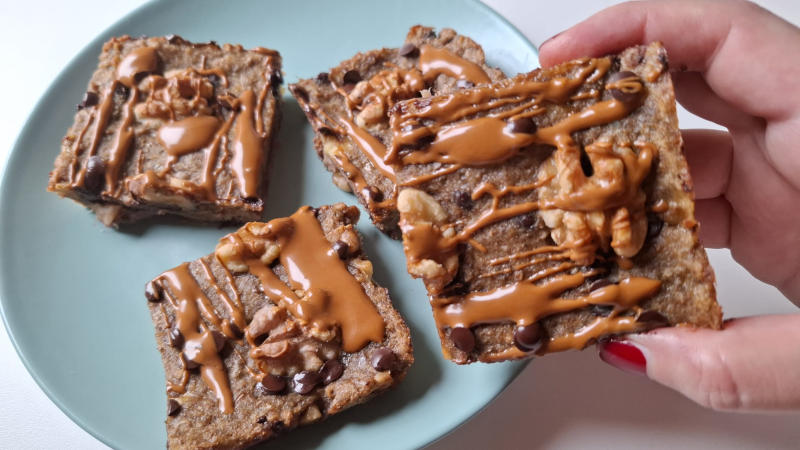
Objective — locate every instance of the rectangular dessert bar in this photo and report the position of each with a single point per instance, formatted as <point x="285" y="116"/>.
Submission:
<point x="168" y="126"/>
<point x="281" y="326"/>
<point x="553" y="209"/>
<point x="348" y="108"/>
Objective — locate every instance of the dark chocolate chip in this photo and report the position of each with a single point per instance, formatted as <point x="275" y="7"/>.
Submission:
<point x="372" y="193"/>
<point x="341" y="248"/>
<point x="528" y="220"/>
<point x="305" y="382"/>
<point x="351" y="77"/>
<point x="408" y="49"/>
<point x="214" y="79"/>
<point x="464" y="84"/>
<point x="524" y="125"/>
<point x="597" y="284"/>
<point x="270" y="385"/>
<point x="326" y="131"/>
<point x="652" y="318"/>
<point x="275" y="78"/>
<point x="174" y="39"/>
<point x="383" y="359"/>
<point x="152" y="292"/>
<point x="237" y="332"/>
<point x="122" y="90"/>
<point x="654" y="226"/>
<point x="463" y="200"/>
<point x="89" y="99"/>
<point x="586" y="164"/>
<point x="463" y="339"/>
<point x="331" y="371"/>
<point x="173" y="407"/>
<point x="188" y="363"/>
<point x="219" y="340"/>
<point x="300" y="93"/>
<point x="528" y="338"/>
<point x="619" y="94"/>
<point x="176" y="338"/>
<point x="95" y="178"/>
<point x="323" y="78"/>
<point x="139" y="76"/>
<point x="258" y="340"/>
<point x="601" y="310"/>
<point x="261" y="420"/>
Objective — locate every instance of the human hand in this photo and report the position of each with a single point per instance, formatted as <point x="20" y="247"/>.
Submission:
<point x="735" y="64"/>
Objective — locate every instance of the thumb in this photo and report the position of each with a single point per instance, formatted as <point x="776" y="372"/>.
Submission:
<point x="751" y="364"/>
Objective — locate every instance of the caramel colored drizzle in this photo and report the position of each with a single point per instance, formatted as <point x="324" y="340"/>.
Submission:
<point x="209" y="180"/>
<point x="235" y="309"/>
<point x="122" y="142"/>
<point x="247" y="148"/>
<point x="191" y="305"/>
<point x="187" y="135"/>
<point x="436" y="61"/>
<point x="138" y="61"/>
<point x="372" y="148"/>
<point x="77" y="145"/>
<point x="103" y="113"/>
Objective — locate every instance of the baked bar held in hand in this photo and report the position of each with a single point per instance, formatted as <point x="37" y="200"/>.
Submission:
<point x="167" y="126"/>
<point x="281" y="326"/>
<point x="348" y="108"/>
<point x="552" y="209"/>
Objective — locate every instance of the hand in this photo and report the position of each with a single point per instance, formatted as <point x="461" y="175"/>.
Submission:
<point x="738" y="65"/>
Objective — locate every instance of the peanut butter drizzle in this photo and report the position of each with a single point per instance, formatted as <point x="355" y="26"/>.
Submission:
<point x="103" y="113"/>
<point x="122" y="142"/>
<point x="187" y="135"/>
<point x="140" y="60"/>
<point x="525" y="303"/>
<point x="333" y="296"/>
<point x="76" y="146"/>
<point x="372" y="148"/>
<point x="235" y="310"/>
<point x="209" y="180"/>
<point x="435" y="61"/>
<point x="248" y="148"/>
<point x="191" y="305"/>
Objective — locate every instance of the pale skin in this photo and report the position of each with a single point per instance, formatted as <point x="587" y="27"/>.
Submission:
<point x="738" y="65"/>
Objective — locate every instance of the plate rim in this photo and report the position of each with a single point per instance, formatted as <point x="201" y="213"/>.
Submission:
<point x="14" y="154"/>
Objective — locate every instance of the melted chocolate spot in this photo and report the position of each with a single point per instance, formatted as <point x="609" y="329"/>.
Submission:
<point x="383" y="359"/>
<point x="173" y="407"/>
<point x="152" y="292"/>
<point x="618" y="94"/>
<point x="341" y="248"/>
<point x="409" y="50"/>
<point x="351" y="77"/>
<point x="305" y="382"/>
<point x="95" y="178"/>
<point x="270" y="385"/>
<point x="89" y="99"/>
<point x="176" y="338"/>
<point x="586" y="164"/>
<point x="524" y="125"/>
<point x="463" y="200"/>
<point x="463" y="339"/>
<point x="528" y="338"/>
<point x="331" y="371"/>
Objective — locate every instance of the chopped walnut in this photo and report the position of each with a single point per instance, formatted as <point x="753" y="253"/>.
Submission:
<point x="176" y="95"/>
<point x="374" y="97"/>
<point x="252" y="241"/>
<point x="601" y="211"/>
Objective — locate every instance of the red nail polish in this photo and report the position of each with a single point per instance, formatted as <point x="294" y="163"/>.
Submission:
<point x="624" y="356"/>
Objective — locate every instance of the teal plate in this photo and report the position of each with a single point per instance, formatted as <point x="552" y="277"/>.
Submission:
<point x="72" y="290"/>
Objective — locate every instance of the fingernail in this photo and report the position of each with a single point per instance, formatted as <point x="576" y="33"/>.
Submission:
<point x="624" y="356"/>
<point x="550" y="39"/>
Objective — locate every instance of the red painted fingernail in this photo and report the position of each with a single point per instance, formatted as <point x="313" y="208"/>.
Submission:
<point x="624" y="356"/>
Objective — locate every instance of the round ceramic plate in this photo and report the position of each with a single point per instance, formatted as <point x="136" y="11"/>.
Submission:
<point x="72" y="289"/>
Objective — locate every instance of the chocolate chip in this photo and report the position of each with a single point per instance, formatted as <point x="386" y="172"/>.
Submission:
<point x="122" y="90"/>
<point x="176" y="338"/>
<point x="188" y="363"/>
<point x="305" y="382"/>
<point x="409" y="50"/>
<point x="323" y="78"/>
<point x="95" y="178"/>
<point x="89" y="99"/>
<point x="331" y="371"/>
<point x="173" y="39"/>
<point x="654" y="226"/>
<point x="275" y="78"/>
<point x="597" y="284"/>
<point x="601" y="310"/>
<point x="237" y="332"/>
<point x="528" y="338"/>
<point x="652" y="318"/>
<point x="383" y="359"/>
<point x="299" y="93"/>
<point x="152" y="292"/>
<point x="261" y="420"/>
<point x="173" y="407"/>
<point x="270" y="385"/>
<point x="619" y="94"/>
<point x="463" y="339"/>
<point x="341" y="248"/>
<point x="528" y="220"/>
<point x="586" y="164"/>
<point x="219" y="340"/>
<point x="351" y="77"/>
<point x="139" y="76"/>
<point x="277" y="427"/>
<point x="524" y="125"/>
<point x="214" y="79"/>
<point x="373" y="193"/>
<point x="464" y="84"/>
<point x="463" y="200"/>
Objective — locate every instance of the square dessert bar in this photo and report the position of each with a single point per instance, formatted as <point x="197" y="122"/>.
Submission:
<point x="281" y="326"/>
<point x="552" y="209"/>
<point x="168" y="126"/>
<point x="348" y="108"/>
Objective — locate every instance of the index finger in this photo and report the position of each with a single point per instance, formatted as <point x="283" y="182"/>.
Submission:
<point x="748" y="56"/>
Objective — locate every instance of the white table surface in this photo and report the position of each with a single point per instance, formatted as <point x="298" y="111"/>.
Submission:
<point x="569" y="400"/>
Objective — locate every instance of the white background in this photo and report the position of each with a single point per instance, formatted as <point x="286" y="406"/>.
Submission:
<point x="39" y="37"/>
